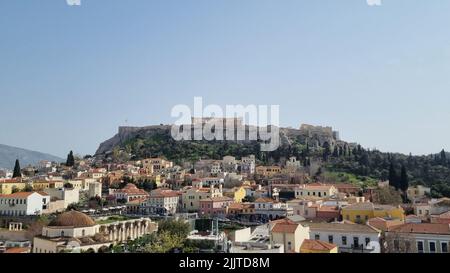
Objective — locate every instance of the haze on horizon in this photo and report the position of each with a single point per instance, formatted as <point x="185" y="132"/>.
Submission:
<point x="70" y="75"/>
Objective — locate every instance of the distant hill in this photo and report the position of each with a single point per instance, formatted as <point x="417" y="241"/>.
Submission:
<point x="8" y="156"/>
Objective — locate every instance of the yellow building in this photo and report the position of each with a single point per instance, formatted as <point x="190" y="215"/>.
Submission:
<point x="237" y="193"/>
<point x="42" y="185"/>
<point x="318" y="247"/>
<point x="361" y="212"/>
<point x="267" y="170"/>
<point x="8" y="185"/>
<point x="192" y="196"/>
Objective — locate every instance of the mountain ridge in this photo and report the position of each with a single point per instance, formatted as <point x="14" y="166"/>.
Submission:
<point x="9" y="154"/>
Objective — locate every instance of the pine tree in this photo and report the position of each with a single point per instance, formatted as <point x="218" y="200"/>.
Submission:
<point x="17" y="173"/>
<point x="70" y="160"/>
<point x="393" y="178"/>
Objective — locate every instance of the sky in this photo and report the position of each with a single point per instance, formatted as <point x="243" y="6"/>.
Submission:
<point x="70" y="75"/>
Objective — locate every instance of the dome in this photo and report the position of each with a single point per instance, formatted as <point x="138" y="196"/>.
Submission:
<point x="72" y="219"/>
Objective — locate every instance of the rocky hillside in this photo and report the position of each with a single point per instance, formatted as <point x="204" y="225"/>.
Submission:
<point x="157" y="141"/>
<point x="8" y="156"/>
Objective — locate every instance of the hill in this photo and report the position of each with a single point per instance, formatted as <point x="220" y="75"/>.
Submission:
<point x="9" y="154"/>
<point x="340" y="160"/>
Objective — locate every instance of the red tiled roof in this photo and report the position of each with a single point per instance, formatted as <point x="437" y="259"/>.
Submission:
<point x="316" y="245"/>
<point x="423" y="228"/>
<point x="15" y="250"/>
<point x="285" y="227"/>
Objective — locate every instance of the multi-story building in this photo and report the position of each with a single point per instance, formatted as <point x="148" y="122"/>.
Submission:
<point x="418" y="191"/>
<point x="418" y="238"/>
<point x="68" y="196"/>
<point x="7" y="186"/>
<point x="215" y="206"/>
<point x="153" y="165"/>
<point x="316" y="190"/>
<point x="362" y="212"/>
<point x="129" y="193"/>
<point x="212" y="181"/>
<point x="161" y="202"/>
<point x="289" y="234"/>
<point x="95" y="189"/>
<point x="348" y="237"/>
<point x="191" y="196"/>
<point x="23" y="203"/>
<point x="268" y="170"/>
<point x="269" y="209"/>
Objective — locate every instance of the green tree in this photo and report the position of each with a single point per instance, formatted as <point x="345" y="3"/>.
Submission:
<point x="388" y="196"/>
<point x="70" y="162"/>
<point x="17" y="172"/>
<point x="443" y="157"/>
<point x="404" y="183"/>
<point x="393" y="177"/>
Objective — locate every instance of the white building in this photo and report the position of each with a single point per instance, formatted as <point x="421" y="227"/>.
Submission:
<point x="212" y="181"/>
<point x="95" y="189"/>
<point x="161" y="201"/>
<point x="69" y="196"/>
<point x="349" y="237"/>
<point x="319" y="190"/>
<point x="270" y="209"/>
<point x="23" y="203"/>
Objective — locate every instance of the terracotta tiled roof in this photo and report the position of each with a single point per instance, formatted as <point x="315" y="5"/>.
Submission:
<point x="317" y="245"/>
<point x="285" y="227"/>
<point x="340" y="227"/>
<point x="264" y="200"/>
<point x="423" y="228"/>
<point x="217" y="199"/>
<point x="21" y="194"/>
<point x="15" y="250"/>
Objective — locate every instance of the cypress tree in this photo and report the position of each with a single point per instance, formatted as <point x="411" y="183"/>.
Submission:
<point x="70" y="160"/>
<point x="404" y="181"/>
<point x="17" y="173"/>
<point x="393" y="178"/>
<point x="443" y="157"/>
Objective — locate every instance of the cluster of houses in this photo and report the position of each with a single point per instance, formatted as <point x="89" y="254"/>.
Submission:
<point x="281" y="209"/>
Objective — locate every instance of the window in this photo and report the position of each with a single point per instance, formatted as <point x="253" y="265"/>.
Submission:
<point x="62" y="233"/>
<point x="356" y="241"/>
<point x="396" y="245"/>
<point x="432" y="247"/>
<point x="289" y="245"/>
<point x="317" y="237"/>
<point x="330" y="239"/>
<point x="408" y="246"/>
<point x="367" y="241"/>
<point x="420" y="246"/>
<point x="344" y="240"/>
<point x="444" y="247"/>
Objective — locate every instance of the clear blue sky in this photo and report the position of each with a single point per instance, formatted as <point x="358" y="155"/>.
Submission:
<point x="69" y="76"/>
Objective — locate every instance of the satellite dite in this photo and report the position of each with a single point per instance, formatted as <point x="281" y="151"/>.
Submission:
<point x="73" y="2"/>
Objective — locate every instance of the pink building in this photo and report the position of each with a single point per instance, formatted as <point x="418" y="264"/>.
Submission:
<point x="216" y="206"/>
